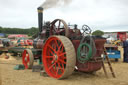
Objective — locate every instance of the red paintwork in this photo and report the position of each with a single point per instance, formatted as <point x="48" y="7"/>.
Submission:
<point x="121" y="36"/>
<point x="91" y="66"/>
<point x="26" y="42"/>
<point x="74" y="35"/>
<point x="30" y="42"/>
<point x="25" y="59"/>
<point x="21" y="43"/>
<point x="51" y="63"/>
<point x="74" y="32"/>
<point x="76" y="44"/>
<point x="17" y="35"/>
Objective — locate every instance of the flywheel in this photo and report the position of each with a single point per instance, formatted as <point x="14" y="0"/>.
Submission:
<point x="59" y="57"/>
<point x="59" y="27"/>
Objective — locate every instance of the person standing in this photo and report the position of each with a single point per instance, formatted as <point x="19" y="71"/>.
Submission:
<point x="125" y="46"/>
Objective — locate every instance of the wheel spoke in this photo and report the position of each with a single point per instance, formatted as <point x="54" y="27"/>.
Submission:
<point x="60" y="67"/>
<point x="55" y="68"/>
<point x="49" y="56"/>
<point x="57" y="29"/>
<point x="62" y="54"/>
<point x="54" y="28"/>
<point x="59" y="24"/>
<point x="57" y="71"/>
<point x="24" y="53"/>
<point x="55" y="55"/>
<point x="24" y="56"/>
<point x="54" y="47"/>
<point x="50" y="51"/>
<point x="51" y="66"/>
<point x="56" y="43"/>
<point x="63" y="57"/>
<point x="26" y="66"/>
<point x="60" y="46"/>
<point x="62" y="61"/>
<point x="51" y="48"/>
<point x="62" y="49"/>
<point x="27" y="58"/>
<point x="60" y="31"/>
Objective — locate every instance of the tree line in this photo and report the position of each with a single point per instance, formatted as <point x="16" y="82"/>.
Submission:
<point x="29" y="31"/>
<point x="33" y="31"/>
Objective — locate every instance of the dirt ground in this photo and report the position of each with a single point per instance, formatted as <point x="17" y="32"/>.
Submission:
<point x="9" y="76"/>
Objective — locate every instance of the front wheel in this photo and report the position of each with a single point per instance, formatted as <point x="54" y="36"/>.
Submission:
<point x="27" y="58"/>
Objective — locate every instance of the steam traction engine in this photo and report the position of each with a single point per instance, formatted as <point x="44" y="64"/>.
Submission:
<point x="63" y="49"/>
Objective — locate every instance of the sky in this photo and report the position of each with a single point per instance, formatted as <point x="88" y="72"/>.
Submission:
<point x="105" y="15"/>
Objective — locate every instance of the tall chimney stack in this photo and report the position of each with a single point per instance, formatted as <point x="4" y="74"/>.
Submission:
<point x="40" y="18"/>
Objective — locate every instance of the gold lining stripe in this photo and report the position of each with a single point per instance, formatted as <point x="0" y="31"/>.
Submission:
<point x="40" y="11"/>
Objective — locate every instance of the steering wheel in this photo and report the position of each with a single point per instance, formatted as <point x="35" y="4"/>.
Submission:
<point x="86" y="29"/>
<point x="59" y="27"/>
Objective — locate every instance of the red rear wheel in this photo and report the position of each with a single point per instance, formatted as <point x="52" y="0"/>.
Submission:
<point x="59" y="57"/>
<point x="27" y="58"/>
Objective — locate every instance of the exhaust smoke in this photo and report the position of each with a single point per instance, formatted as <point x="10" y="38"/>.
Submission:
<point x="54" y="3"/>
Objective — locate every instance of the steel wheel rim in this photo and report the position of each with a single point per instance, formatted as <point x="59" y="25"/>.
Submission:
<point x="56" y="29"/>
<point x="27" y="58"/>
<point x="70" y="57"/>
<point x="86" y="29"/>
<point x="54" y="60"/>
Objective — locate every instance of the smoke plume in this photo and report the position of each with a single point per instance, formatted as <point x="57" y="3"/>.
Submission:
<point x="54" y="3"/>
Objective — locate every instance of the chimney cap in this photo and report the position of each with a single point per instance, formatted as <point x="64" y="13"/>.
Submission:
<point x="40" y="8"/>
